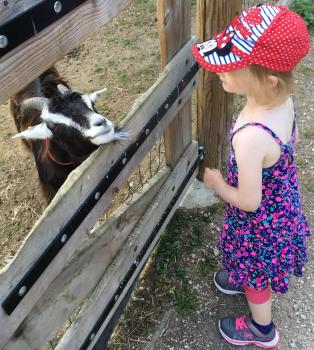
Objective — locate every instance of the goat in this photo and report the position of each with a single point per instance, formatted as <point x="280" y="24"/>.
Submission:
<point x="60" y="127"/>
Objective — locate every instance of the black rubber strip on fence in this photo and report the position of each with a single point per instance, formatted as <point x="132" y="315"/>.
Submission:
<point x="106" y="334"/>
<point x="32" y="275"/>
<point x="133" y="272"/>
<point x="24" y="26"/>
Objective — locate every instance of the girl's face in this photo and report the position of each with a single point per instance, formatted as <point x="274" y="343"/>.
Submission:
<point x="244" y="82"/>
<point x="236" y="82"/>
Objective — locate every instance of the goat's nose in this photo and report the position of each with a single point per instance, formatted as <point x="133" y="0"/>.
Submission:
<point x="100" y="122"/>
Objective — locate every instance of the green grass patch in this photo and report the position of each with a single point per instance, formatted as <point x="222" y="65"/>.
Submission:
<point x="305" y="69"/>
<point x="122" y="78"/>
<point x="100" y="70"/>
<point x="184" y="300"/>
<point x="128" y="42"/>
<point x="305" y="8"/>
<point x="208" y="264"/>
<point x="147" y="71"/>
<point x="156" y="55"/>
<point x="181" y="274"/>
<point x="301" y="162"/>
<point x="308" y="134"/>
<point x="167" y="253"/>
<point x="146" y="5"/>
<point x="169" y="273"/>
<point x="195" y="237"/>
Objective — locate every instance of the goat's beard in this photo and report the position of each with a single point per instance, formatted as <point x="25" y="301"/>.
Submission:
<point x="120" y="134"/>
<point x="116" y="134"/>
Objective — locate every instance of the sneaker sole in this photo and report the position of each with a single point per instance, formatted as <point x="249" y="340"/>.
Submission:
<point x="226" y="291"/>
<point x="268" y="345"/>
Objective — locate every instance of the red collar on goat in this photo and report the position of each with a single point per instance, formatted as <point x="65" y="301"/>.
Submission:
<point x="52" y="157"/>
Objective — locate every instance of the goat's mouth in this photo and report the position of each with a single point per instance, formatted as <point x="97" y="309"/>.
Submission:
<point x="112" y="134"/>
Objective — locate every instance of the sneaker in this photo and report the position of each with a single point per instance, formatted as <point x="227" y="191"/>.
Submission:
<point x="221" y="280"/>
<point x="241" y="331"/>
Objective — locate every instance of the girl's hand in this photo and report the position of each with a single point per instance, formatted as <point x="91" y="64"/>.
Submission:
<point x="213" y="178"/>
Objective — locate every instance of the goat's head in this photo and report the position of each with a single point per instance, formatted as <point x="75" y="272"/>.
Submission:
<point x="71" y="120"/>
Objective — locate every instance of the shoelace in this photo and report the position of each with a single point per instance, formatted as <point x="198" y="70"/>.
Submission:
<point x="240" y="323"/>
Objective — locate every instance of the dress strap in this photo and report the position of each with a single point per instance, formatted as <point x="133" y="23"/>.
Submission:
<point x="294" y="131"/>
<point x="275" y="137"/>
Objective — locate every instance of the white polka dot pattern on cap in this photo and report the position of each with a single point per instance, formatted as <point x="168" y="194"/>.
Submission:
<point x="270" y="36"/>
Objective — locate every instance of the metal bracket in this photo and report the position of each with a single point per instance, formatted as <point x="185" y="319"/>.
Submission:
<point x="201" y="151"/>
<point x="40" y="265"/>
<point x="24" y="26"/>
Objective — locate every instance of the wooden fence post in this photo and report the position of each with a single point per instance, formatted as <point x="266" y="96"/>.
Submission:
<point x="213" y="104"/>
<point x="174" y="26"/>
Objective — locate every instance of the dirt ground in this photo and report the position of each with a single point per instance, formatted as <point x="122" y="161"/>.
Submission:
<point x="126" y="62"/>
<point x="175" y="306"/>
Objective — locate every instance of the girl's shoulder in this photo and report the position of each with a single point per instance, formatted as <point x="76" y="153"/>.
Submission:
<point x="251" y="138"/>
<point x="264" y="135"/>
<point x="266" y="125"/>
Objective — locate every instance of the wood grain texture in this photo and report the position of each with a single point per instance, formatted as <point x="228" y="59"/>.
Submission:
<point x="78" y="186"/>
<point x="214" y="109"/>
<point x="23" y="64"/>
<point x="12" y="8"/>
<point x="82" y="273"/>
<point x="93" y="307"/>
<point x="174" y="26"/>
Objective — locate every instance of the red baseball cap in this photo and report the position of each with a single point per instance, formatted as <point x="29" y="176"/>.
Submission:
<point x="270" y="36"/>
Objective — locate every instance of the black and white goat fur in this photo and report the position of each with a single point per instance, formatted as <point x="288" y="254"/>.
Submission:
<point x="60" y="127"/>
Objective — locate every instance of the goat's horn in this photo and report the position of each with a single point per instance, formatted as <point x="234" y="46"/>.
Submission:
<point x="35" y="103"/>
<point x="62" y="88"/>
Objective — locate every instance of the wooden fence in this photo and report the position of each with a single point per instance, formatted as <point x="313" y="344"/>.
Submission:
<point x="64" y="263"/>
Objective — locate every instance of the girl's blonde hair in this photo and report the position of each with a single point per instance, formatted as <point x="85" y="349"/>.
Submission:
<point x="260" y="89"/>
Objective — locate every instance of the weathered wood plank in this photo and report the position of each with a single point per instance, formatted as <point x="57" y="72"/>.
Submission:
<point x="214" y="108"/>
<point x="81" y="182"/>
<point x="174" y="25"/>
<point x="20" y="66"/>
<point x="81" y="275"/>
<point x="93" y="307"/>
<point x="12" y="8"/>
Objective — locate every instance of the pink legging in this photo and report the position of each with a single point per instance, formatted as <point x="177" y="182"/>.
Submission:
<point x="257" y="296"/>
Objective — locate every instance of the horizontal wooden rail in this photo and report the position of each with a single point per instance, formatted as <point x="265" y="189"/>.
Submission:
<point x="78" y="186"/>
<point x="21" y="65"/>
<point x="81" y="275"/>
<point x="111" y="280"/>
<point x="12" y="8"/>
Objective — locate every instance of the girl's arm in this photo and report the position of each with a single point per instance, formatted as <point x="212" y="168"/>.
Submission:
<point x="250" y="150"/>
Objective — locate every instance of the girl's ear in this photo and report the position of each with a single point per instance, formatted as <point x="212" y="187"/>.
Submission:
<point x="272" y="81"/>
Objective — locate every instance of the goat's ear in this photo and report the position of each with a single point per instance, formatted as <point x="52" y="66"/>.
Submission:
<point x="39" y="131"/>
<point x="93" y="97"/>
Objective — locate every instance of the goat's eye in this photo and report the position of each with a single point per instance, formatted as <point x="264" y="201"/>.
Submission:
<point x="51" y="126"/>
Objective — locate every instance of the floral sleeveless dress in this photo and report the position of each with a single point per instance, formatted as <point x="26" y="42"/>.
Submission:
<point x="270" y="243"/>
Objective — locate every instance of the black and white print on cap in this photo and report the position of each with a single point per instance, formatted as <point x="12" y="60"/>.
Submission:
<point x="228" y="50"/>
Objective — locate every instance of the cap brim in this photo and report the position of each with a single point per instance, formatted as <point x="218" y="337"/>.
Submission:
<point x="219" y="63"/>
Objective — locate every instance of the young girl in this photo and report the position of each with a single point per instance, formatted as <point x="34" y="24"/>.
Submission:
<point x="263" y="239"/>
